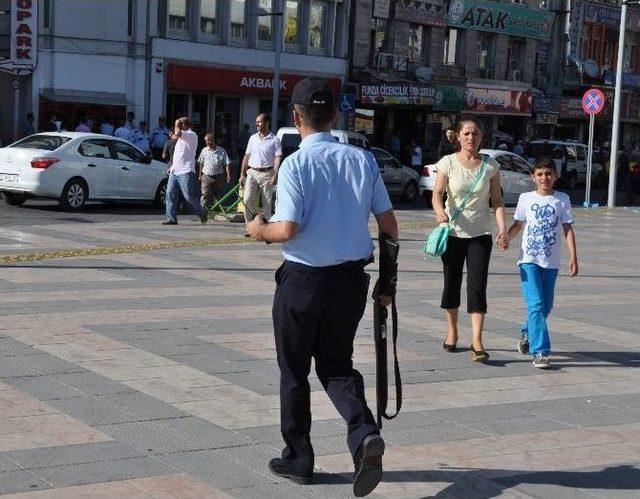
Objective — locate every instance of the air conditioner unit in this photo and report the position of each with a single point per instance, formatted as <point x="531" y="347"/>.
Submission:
<point x="516" y="75"/>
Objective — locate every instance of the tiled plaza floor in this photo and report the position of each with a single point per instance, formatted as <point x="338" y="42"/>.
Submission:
<point x="152" y="373"/>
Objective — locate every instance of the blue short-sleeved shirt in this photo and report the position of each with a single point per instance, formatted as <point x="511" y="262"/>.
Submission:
<point x="330" y="190"/>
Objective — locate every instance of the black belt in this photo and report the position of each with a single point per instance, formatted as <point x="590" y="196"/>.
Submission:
<point x="350" y="265"/>
<point x="261" y="169"/>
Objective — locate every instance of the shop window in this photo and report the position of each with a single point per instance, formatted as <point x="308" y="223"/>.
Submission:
<point x="265" y="23"/>
<point x="317" y="24"/>
<point x="178" y="15"/>
<point x="238" y="18"/>
<point x="177" y="106"/>
<point x="209" y="17"/>
<point x="419" y="41"/>
<point x="292" y="22"/>
<point x="485" y="47"/>
<point x="227" y="125"/>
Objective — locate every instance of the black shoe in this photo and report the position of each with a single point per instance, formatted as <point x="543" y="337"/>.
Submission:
<point x="281" y="468"/>
<point x="169" y="222"/>
<point x="449" y="347"/>
<point x="368" y="463"/>
<point x="204" y="217"/>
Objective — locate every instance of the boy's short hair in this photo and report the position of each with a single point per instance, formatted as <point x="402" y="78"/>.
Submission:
<point x="543" y="162"/>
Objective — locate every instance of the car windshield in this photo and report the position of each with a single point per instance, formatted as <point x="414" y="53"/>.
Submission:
<point x="43" y="142"/>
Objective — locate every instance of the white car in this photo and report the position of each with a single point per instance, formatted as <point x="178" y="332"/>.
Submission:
<point x="400" y="180"/>
<point x="515" y="176"/>
<point x="74" y="167"/>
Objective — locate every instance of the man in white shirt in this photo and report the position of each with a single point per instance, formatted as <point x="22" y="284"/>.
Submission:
<point x="182" y="173"/>
<point x="260" y="168"/>
<point x="416" y="156"/>
<point x="215" y="168"/>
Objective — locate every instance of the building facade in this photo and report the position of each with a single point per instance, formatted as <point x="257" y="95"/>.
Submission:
<point x="212" y="60"/>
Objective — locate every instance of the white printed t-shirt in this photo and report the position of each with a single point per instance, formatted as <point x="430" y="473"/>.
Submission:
<point x="184" y="155"/>
<point x="543" y="217"/>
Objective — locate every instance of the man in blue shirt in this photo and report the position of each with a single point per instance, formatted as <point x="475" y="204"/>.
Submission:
<point x="326" y="194"/>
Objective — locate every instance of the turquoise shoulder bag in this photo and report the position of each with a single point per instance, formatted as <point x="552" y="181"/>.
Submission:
<point x="436" y="242"/>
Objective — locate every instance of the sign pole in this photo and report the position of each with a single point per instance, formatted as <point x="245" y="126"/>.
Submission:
<point x="16" y="109"/>
<point x="587" y="195"/>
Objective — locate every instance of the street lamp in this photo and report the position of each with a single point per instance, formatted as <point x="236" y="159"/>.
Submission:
<point x="615" y="131"/>
<point x="278" y="14"/>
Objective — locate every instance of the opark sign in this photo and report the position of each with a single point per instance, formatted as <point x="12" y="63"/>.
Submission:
<point x="503" y="18"/>
<point x="23" y="38"/>
<point x="498" y="101"/>
<point x="397" y="93"/>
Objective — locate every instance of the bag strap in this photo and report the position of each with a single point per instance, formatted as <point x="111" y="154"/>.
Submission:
<point x="472" y="187"/>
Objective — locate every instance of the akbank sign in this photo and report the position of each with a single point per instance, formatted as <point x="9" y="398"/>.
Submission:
<point x="503" y="18"/>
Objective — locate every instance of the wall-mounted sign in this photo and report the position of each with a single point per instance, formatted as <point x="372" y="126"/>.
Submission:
<point x="497" y="101"/>
<point x="427" y="12"/>
<point x="546" y="104"/>
<point x="23" y="38"/>
<point x="397" y="93"/>
<point x="571" y="108"/>
<point x="547" y="118"/>
<point x="449" y="98"/>
<point x="503" y="18"/>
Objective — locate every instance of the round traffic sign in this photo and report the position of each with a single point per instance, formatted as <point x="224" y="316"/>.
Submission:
<point x="593" y="101"/>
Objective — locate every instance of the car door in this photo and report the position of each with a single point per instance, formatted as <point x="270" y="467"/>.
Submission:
<point x="137" y="178"/>
<point x="102" y="171"/>
<point x="506" y="177"/>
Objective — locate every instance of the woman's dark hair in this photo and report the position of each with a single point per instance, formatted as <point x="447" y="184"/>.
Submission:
<point x="471" y="119"/>
<point x="543" y="162"/>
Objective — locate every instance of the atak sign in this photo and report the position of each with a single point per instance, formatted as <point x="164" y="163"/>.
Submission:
<point x="593" y="101"/>
<point x="23" y="39"/>
<point x="503" y="18"/>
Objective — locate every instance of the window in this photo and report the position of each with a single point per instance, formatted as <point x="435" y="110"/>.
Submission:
<point x="209" y="16"/>
<point x="265" y="23"/>
<point x="317" y="24"/>
<point x="95" y="149"/>
<point x="46" y="14"/>
<point x="126" y="152"/>
<point x="178" y="15"/>
<point x="515" y="58"/>
<point x="291" y="22"/>
<point x="419" y="41"/>
<point x="505" y="162"/>
<point x="452" y="46"/>
<point x="43" y="142"/>
<point x="238" y="16"/>
<point x="129" y="17"/>
<point x="383" y="159"/>
<point x="485" y="54"/>
<point x="520" y="165"/>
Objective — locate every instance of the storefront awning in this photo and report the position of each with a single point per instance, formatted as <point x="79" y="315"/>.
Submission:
<point x="84" y="97"/>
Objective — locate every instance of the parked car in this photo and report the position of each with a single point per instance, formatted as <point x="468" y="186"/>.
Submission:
<point x="570" y="158"/>
<point x="74" y="167"/>
<point x="290" y="139"/>
<point x="515" y="176"/>
<point x="400" y="180"/>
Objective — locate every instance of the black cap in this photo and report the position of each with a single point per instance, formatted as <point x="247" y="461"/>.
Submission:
<point x="312" y="91"/>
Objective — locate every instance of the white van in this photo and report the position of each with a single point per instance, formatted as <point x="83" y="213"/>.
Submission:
<point x="570" y="158"/>
<point x="290" y="139"/>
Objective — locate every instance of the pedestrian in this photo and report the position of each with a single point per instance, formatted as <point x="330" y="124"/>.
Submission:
<point x="83" y="125"/>
<point x="544" y="214"/>
<point x="215" y="168"/>
<point x="182" y="173"/>
<point x="321" y="288"/>
<point x="54" y="124"/>
<point x="243" y="139"/>
<point x="106" y="127"/>
<point x="260" y="168"/>
<point x="123" y="132"/>
<point x="167" y="152"/>
<point x="467" y="174"/>
<point x="395" y="146"/>
<point x="416" y="156"/>
<point x="159" y="138"/>
<point x="29" y="127"/>
<point x="131" y="121"/>
<point x="141" y="138"/>
<point x="518" y="148"/>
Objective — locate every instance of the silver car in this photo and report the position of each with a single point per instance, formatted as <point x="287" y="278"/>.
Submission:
<point x="400" y="180"/>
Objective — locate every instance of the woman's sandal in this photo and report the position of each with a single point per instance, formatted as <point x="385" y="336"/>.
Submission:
<point x="449" y="348"/>
<point x="478" y="355"/>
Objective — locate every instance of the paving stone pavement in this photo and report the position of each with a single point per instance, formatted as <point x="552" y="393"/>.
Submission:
<point x="152" y="373"/>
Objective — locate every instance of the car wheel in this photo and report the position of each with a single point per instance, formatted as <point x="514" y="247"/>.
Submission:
<point x="428" y="198"/>
<point x="573" y="180"/>
<point x="13" y="198"/>
<point x="410" y="192"/>
<point x="74" y="194"/>
<point x="161" y="195"/>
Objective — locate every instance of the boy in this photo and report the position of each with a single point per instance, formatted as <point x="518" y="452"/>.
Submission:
<point x="543" y="213"/>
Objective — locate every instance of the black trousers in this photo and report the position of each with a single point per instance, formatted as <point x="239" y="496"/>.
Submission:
<point x="316" y="312"/>
<point x="477" y="252"/>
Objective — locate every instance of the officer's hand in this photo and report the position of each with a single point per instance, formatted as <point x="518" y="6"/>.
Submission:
<point x="384" y="300"/>
<point x="273" y="181"/>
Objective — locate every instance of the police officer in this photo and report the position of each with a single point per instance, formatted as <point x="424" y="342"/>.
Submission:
<point x="326" y="193"/>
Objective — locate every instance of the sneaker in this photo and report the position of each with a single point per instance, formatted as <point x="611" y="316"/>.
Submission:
<point x="523" y="345"/>
<point x="281" y="468"/>
<point x="204" y="217"/>
<point x="169" y="222"/>
<point x="541" y="361"/>
<point x="368" y="464"/>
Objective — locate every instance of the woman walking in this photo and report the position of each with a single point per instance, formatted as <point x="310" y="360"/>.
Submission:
<point x="468" y="174"/>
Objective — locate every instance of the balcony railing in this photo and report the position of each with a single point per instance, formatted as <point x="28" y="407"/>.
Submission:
<point x="404" y="67"/>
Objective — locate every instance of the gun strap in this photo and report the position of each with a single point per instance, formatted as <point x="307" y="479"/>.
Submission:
<point x="396" y="365"/>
